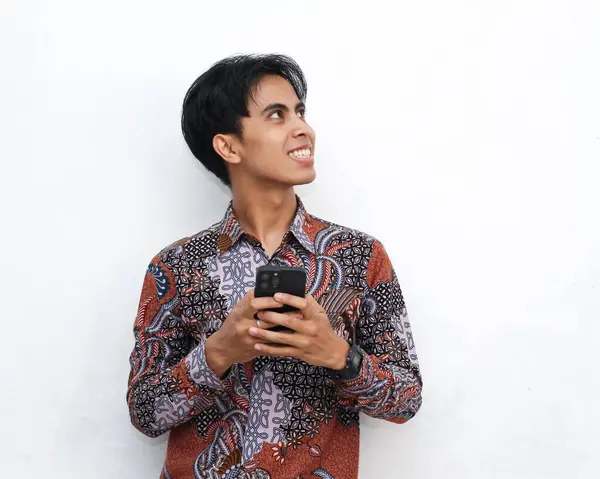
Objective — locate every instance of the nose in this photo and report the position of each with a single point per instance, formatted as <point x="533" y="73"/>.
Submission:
<point x="300" y="128"/>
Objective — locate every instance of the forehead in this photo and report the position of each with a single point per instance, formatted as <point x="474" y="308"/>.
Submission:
<point x="272" y="89"/>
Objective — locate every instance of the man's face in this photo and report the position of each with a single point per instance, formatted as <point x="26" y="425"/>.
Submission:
<point x="278" y="145"/>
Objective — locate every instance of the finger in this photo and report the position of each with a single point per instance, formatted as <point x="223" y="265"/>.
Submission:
<point x="292" y="315"/>
<point x="281" y="351"/>
<point x="267" y="302"/>
<point x="312" y="302"/>
<point x="261" y="319"/>
<point x="262" y="324"/>
<point x="292" y="320"/>
<point x="294" y="301"/>
<point x="290" y="339"/>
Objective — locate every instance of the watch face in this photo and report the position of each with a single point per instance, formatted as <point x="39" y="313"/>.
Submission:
<point x="352" y="369"/>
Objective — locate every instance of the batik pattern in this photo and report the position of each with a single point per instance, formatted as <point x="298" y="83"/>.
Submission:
<point x="271" y="417"/>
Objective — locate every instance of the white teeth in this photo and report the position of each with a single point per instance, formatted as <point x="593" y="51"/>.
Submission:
<point x="305" y="153"/>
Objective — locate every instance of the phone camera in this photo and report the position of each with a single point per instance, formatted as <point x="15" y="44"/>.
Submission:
<point x="275" y="282"/>
<point x="264" y="285"/>
<point x="264" y="276"/>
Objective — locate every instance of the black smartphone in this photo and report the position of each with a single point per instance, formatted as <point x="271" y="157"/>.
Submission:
<point x="280" y="279"/>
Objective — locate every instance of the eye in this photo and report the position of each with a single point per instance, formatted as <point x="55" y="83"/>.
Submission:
<point x="276" y="112"/>
<point x="301" y="112"/>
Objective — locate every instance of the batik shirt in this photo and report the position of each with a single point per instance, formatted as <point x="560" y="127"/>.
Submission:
<point x="275" y="418"/>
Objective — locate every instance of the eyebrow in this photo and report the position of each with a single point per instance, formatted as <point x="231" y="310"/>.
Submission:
<point x="281" y="106"/>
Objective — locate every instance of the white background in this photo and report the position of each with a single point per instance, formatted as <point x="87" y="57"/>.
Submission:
<point x="464" y="135"/>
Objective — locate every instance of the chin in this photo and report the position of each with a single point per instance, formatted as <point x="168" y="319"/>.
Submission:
<point x="295" y="178"/>
<point x="305" y="178"/>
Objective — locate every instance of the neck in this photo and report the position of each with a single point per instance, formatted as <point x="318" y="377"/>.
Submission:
<point x="265" y="213"/>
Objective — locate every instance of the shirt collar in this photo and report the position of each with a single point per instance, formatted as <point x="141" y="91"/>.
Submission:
<point x="230" y="230"/>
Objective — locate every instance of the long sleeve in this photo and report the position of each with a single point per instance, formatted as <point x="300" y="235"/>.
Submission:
<point x="170" y="381"/>
<point x="389" y="385"/>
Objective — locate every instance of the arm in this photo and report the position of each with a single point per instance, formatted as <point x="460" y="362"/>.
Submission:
<point x="170" y="381"/>
<point x="389" y="384"/>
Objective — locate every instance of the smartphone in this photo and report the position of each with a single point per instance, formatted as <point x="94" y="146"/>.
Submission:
<point x="280" y="279"/>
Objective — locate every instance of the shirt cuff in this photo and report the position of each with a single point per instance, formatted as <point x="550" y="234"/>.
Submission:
<point x="199" y="371"/>
<point x="364" y="382"/>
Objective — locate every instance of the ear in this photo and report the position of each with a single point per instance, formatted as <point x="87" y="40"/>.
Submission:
<point x="226" y="147"/>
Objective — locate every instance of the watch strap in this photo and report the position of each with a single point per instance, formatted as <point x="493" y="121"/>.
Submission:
<point x="352" y="367"/>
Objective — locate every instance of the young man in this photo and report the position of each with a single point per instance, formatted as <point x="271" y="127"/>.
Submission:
<point x="241" y="400"/>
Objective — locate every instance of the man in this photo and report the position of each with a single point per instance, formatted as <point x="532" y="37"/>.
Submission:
<point x="241" y="400"/>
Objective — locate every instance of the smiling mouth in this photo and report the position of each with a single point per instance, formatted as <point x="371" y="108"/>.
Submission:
<point x="300" y="153"/>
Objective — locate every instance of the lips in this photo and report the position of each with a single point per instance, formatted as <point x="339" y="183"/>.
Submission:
<point x="301" y="147"/>
<point x="302" y="154"/>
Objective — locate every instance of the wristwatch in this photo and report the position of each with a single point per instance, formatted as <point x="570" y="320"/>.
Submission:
<point x="353" y="365"/>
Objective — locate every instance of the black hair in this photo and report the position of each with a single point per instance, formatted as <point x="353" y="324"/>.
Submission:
<point x="218" y="99"/>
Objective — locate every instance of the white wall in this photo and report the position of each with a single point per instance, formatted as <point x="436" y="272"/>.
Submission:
<point x="464" y="135"/>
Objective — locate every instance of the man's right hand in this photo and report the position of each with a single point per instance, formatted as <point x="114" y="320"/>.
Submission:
<point x="232" y="343"/>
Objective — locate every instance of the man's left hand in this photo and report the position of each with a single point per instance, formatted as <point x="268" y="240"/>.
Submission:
<point x="312" y="340"/>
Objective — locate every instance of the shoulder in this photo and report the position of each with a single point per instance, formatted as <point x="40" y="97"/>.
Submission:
<point x="367" y="250"/>
<point x="203" y="243"/>
<point x="346" y="233"/>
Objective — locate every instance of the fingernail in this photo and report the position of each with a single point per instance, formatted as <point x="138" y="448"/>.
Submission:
<point x="259" y="315"/>
<point x="252" y="330"/>
<point x="257" y="347"/>
<point x="279" y="296"/>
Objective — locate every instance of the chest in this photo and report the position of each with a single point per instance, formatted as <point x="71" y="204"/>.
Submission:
<point x="216" y="285"/>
